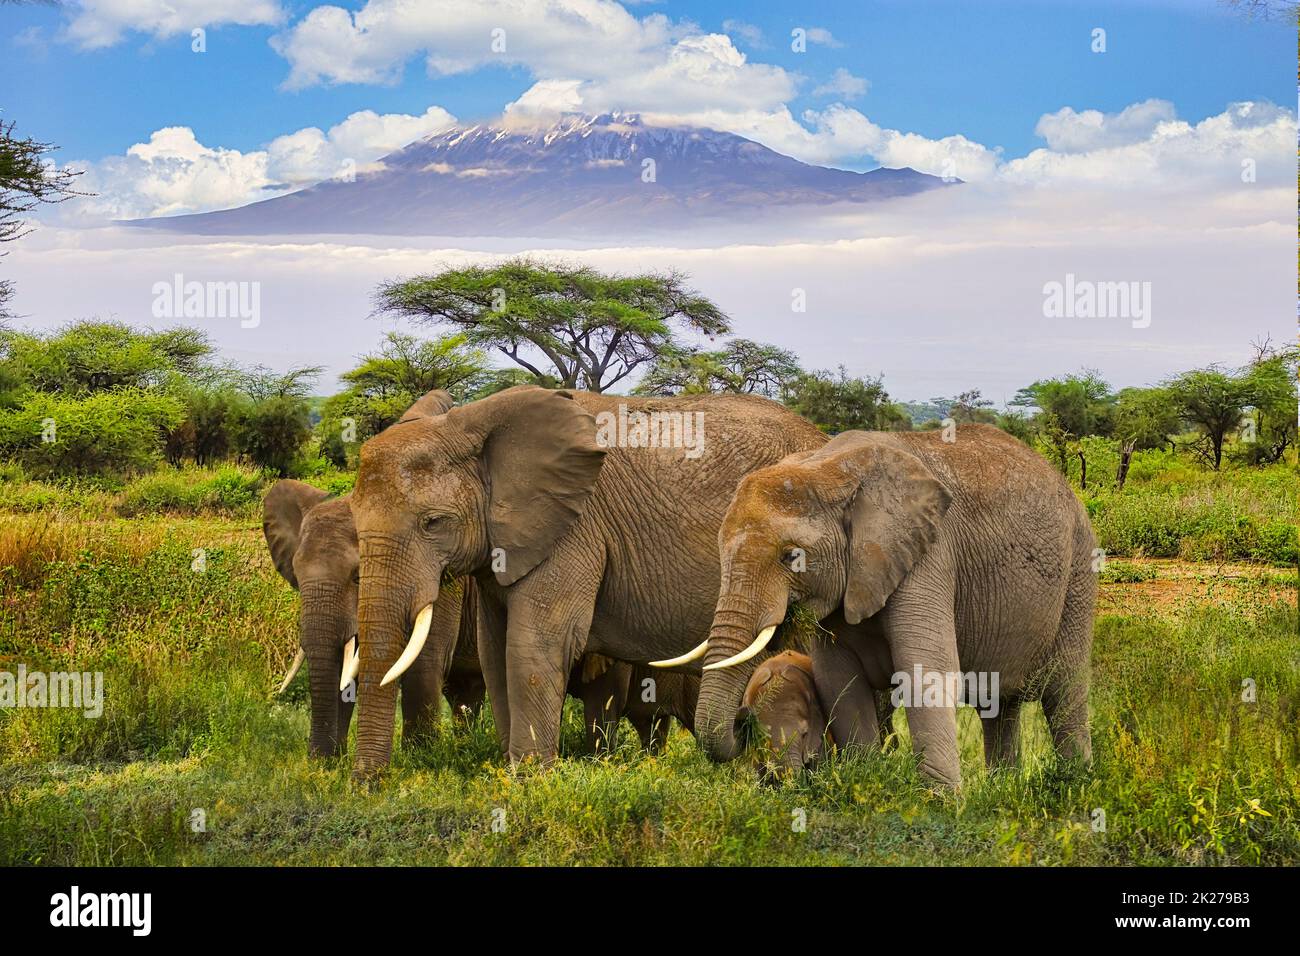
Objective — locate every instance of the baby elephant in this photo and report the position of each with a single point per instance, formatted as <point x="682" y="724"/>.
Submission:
<point x="782" y="697"/>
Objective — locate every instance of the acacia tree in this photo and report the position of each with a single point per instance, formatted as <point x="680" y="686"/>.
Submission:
<point x="27" y="180"/>
<point x="594" y="329"/>
<point x="1144" y="418"/>
<point x="1271" y="379"/>
<point x="743" y="366"/>
<point x="1214" y="401"/>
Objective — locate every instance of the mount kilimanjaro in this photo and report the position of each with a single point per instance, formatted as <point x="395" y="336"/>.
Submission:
<point x="603" y="175"/>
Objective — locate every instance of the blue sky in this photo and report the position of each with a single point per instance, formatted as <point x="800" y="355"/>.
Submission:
<point x="986" y="70"/>
<point x="1129" y="165"/>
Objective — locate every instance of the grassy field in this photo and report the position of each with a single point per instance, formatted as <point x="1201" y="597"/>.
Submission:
<point x="110" y="579"/>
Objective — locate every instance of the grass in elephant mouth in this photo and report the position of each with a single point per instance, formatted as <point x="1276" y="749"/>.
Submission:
<point x="800" y="629"/>
<point x="1185" y="769"/>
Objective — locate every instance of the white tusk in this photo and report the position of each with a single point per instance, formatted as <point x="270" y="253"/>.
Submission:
<point x="293" y="670"/>
<point x="691" y="655"/>
<point x="413" y="647"/>
<point x="760" y="642"/>
<point x="351" y="663"/>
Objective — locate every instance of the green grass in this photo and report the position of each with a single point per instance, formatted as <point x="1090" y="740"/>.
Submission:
<point x="1185" y="770"/>
<point x="1172" y="509"/>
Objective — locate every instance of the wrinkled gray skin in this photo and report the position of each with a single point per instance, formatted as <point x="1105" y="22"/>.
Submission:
<point x="782" y="697"/>
<point x="313" y="543"/>
<point x="576" y="547"/>
<point x="972" y="555"/>
<point x="649" y="698"/>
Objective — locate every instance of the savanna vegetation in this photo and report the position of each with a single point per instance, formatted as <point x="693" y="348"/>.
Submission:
<point x="132" y="465"/>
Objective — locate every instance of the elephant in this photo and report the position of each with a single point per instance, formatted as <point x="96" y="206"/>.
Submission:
<point x="313" y="544"/>
<point x="945" y="560"/>
<point x="589" y="521"/>
<point x="610" y="690"/>
<point x="782" y="697"/>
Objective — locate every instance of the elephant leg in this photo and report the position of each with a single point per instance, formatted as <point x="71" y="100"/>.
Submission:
<point x="347" y="703"/>
<point x="1065" y="690"/>
<point x="492" y="658"/>
<point x="849" y="703"/>
<point x="1002" y="735"/>
<point x="464" y="692"/>
<point x="885" y="720"/>
<point x="421" y="703"/>
<point x="603" y="702"/>
<point x="548" y="618"/>
<point x="1065" y="705"/>
<point x="923" y="639"/>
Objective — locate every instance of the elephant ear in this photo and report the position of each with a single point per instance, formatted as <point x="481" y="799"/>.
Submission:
<point x="436" y="402"/>
<point x="541" y="461"/>
<point x="283" y="509"/>
<point x="893" y="510"/>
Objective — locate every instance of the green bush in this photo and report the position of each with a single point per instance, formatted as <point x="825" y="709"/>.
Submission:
<point x="192" y="491"/>
<point x="104" y="433"/>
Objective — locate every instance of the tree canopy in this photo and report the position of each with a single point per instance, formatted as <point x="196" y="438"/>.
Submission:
<point x="591" y="329"/>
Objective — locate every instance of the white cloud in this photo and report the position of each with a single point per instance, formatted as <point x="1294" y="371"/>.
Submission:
<point x="822" y="36"/>
<point x="102" y="23"/>
<point x="174" y="173"/>
<point x="1173" y="155"/>
<point x="843" y="83"/>
<point x="552" y="38"/>
<point x="1067" y="131"/>
<point x="752" y="35"/>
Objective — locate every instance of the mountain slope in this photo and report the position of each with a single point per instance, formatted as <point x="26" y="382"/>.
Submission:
<point x="610" y="174"/>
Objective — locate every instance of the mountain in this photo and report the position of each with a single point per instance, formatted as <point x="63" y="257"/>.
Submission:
<point x="583" y="176"/>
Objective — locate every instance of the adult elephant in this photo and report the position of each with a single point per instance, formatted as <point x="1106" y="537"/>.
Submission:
<point x="584" y="533"/>
<point x="922" y="556"/>
<point x="313" y="544"/>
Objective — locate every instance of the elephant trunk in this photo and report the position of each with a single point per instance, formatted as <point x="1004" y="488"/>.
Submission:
<point x="384" y="627"/>
<point x="721" y="691"/>
<point x="322" y="625"/>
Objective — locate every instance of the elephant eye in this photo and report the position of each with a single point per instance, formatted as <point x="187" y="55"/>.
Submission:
<point x="430" y="523"/>
<point x="790" y="555"/>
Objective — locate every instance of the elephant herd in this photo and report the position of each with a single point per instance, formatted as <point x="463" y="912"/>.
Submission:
<point x="507" y="549"/>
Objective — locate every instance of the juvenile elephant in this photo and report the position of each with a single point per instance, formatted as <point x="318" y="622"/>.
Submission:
<point x="611" y="690"/>
<point x="923" y="557"/>
<point x="313" y="543"/>
<point x="782" y="697"/>
<point x="585" y="533"/>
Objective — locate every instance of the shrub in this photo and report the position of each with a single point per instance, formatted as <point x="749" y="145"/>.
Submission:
<point x="191" y="492"/>
<point x="119" y="431"/>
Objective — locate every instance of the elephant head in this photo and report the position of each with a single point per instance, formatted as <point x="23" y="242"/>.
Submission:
<point x="313" y="543"/>
<point x="782" y="697"/>
<point x="837" y="528"/>
<point x="493" y="484"/>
